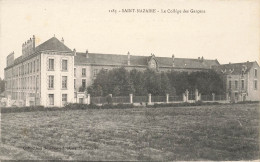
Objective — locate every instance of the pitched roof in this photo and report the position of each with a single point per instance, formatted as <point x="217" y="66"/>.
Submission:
<point x="52" y="44"/>
<point x="187" y="63"/>
<point x="235" y="68"/>
<point x="121" y="60"/>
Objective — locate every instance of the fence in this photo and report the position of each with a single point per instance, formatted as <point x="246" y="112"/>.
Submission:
<point x="220" y="97"/>
<point x="158" y="98"/>
<point x="175" y="98"/>
<point x="98" y="100"/>
<point x="140" y="99"/>
<point x="163" y="99"/>
<point x="206" y="98"/>
<point x="121" y="99"/>
<point x="185" y="97"/>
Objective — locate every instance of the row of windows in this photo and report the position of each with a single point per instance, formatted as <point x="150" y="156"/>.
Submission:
<point x="236" y="84"/>
<point x="27" y="68"/>
<point x="23" y="83"/>
<point x="64" y="64"/>
<point x="242" y="84"/>
<point x="64" y="82"/>
<point x="64" y="99"/>
<point x="84" y="74"/>
<point x="83" y="83"/>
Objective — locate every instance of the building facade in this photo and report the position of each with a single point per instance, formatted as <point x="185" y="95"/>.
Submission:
<point x="42" y="75"/>
<point x="88" y="65"/>
<point x="51" y="74"/>
<point x="241" y="80"/>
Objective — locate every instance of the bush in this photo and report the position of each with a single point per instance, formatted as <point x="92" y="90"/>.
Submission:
<point x="109" y="99"/>
<point x="246" y="102"/>
<point x="199" y="103"/>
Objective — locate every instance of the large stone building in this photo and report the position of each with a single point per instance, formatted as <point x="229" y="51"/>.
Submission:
<point x="51" y="74"/>
<point x="42" y="75"/>
<point x="241" y="80"/>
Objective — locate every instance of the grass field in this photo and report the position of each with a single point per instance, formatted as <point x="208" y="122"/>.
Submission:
<point x="216" y="132"/>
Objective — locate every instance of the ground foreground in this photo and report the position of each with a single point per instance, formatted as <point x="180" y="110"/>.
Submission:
<point x="218" y="132"/>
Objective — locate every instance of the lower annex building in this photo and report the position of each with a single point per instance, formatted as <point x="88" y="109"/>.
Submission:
<point x="51" y="74"/>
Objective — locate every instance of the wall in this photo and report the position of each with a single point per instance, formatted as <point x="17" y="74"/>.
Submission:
<point x="58" y="73"/>
<point x="254" y="94"/>
<point x="21" y="83"/>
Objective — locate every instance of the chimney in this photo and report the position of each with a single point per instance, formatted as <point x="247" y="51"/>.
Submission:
<point x="62" y="40"/>
<point x="74" y="52"/>
<point x="86" y="53"/>
<point x="202" y="59"/>
<point x="173" y="58"/>
<point x="33" y="43"/>
<point x="128" y="58"/>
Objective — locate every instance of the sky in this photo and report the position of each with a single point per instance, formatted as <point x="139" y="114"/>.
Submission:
<point x="228" y="30"/>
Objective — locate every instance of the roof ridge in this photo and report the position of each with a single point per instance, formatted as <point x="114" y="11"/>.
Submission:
<point x="238" y="63"/>
<point x="52" y="44"/>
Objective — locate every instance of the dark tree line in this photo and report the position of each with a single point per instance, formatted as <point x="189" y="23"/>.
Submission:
<point x="121" y="82"/>
<point x="207" y="82"/>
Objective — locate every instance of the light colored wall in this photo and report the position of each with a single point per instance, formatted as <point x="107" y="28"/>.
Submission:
<point x="15" y="86"/>
<point x="58" y="73"/>
<point x="79" y="76"/>
<point x="253" y="94"/>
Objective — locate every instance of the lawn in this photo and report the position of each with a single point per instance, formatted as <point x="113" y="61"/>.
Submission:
<point x="216" y="132"/>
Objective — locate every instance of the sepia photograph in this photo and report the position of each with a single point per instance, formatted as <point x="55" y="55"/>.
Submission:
<point x="132" y="80"/>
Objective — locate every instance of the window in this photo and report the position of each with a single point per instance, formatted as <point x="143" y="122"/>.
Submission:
<point x="51" y="64"/>
<point x="37" y="64"/>
<point x="255" y="72"/>
<point x="51" y="99"/>
<point x="84" y="72"/>
<point x="74" y="72"/>
<point x="37" y="82"/>
<point x="28" y="68"/>
<point x="83" y="83"/>
<point x="64" y="82"/>
<point x="236" y="84"/>
<point x="255" y="84"/>
<point x="64" y="99"/>
<point x="74" y="83"/>
<point x="242" y="84"/>
<point x="230" y="84"/>
<point x="34" y="66"/>
<point x="64" y="65"/>
<point x="51" y="81"/>
<point x="31" y="67"/>
<point x="95" y="72"/>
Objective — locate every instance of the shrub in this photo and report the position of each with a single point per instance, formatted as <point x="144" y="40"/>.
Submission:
<point x="109" y="99"/>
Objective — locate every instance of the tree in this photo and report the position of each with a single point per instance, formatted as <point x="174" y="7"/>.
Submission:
<point x="152" y="82"/>
<point x="166" y="87"/>
<point x="138" y="82"/>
